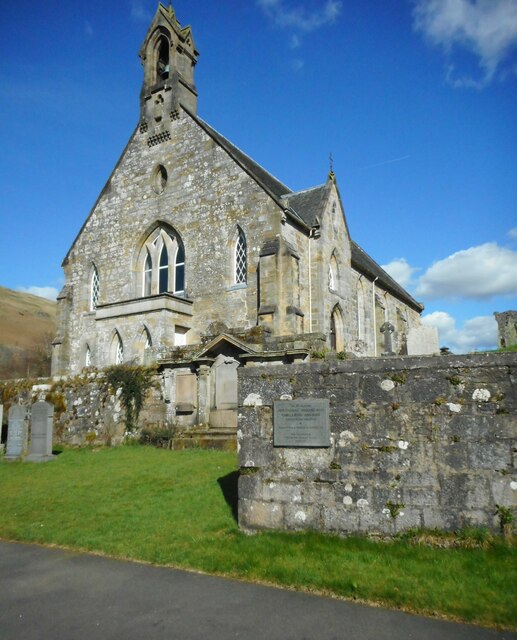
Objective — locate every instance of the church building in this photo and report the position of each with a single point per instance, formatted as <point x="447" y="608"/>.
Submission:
<point x="196" y="259"/>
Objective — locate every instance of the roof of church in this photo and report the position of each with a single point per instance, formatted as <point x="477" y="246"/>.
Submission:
<point x="367" y="265"/>
<point x="271" y="184"/>
<point x="307" y="206"/>
<point x="308" y="203"/>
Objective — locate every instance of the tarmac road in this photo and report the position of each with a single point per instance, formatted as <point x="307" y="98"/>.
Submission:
<point x="55" y="594"/>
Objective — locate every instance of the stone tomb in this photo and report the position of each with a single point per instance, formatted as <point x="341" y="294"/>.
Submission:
<point x="42" y="424"/>
<point x="16" y="432"/>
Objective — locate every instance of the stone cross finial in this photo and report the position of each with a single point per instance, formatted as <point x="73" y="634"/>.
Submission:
<point x="387" y="329"/>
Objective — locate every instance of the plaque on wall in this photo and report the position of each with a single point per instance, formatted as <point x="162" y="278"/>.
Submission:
<point x="301" y="423"/>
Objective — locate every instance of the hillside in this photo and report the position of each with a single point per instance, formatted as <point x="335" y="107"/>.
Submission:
<point x="27" y="328"/>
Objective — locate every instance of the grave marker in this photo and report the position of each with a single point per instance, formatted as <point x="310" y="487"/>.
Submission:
<point x="16" y="432"/>
<point x="42" y="425"/>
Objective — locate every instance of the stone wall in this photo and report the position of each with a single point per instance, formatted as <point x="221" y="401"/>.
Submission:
<point x="506" y="328"/>
<point x="415" y="442"/>
<point x="84" y="412"/>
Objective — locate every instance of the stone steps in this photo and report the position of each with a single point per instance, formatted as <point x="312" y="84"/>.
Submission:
<point x="221" y="439"/>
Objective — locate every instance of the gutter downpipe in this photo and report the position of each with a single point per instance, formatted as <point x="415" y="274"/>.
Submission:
<point x="374" y="319"/>
<point x="311" y="235"/>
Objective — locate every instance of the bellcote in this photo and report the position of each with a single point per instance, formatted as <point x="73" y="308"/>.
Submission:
<point x="168" y="55"/>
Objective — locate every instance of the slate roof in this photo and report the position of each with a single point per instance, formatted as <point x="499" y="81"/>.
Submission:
<point x="366" y="265"/>
<point x="309" y="203"/>
<point x="306" y="206"/>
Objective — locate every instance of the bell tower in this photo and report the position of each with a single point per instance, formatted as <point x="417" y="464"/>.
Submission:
<point x="168" y="55"/>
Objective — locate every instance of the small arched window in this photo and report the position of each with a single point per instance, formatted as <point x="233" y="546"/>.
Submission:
<point x="333" y="273"/>
<point x="119" y="349"/>
<point x="240" y="259"/>
<point x="148" y="344"/>
<point x="88" y="357"/>
<point x="332" y="282"/>
<point x="94" y="289"/>
<point x="337" y="342"/>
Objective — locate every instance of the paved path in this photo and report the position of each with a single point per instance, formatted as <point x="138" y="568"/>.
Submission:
<point x="54" y="594"/>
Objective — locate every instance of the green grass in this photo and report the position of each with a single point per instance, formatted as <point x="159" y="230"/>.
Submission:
<point x="167" y="507"/>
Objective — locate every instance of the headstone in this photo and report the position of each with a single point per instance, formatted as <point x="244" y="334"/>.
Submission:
<point x="16" y="432"/>
<point x="387" y="329"/>
<point x="422" y="341"/>
<point x="301" y="423"/>
<point x="42" y="425"/>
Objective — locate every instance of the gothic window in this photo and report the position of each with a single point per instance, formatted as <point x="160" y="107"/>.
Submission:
<point x="88" y="357"/>
<point x="119" y="349"/>
<point x="333" y="274"/>
<point x="331" y="278"/>
<point x="161" y="264"/>
<point x="94" y="289"/>
<point x="148" y="341"/>
<point x="240" y="259"/>
<point x="337" y="342"/>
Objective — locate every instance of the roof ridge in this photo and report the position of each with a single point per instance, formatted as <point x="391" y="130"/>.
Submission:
<point x="297" y="193"/>
<point x="243" y="153"/>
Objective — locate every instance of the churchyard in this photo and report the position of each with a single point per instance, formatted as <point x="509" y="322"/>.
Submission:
<point x="177" y="508"/>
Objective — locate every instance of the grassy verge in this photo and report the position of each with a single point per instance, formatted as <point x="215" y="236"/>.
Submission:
<point x="168" y="507"/>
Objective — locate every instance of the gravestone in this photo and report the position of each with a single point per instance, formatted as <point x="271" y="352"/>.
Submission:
<point x="42" y="425"/>
<point x="16" y="432"/>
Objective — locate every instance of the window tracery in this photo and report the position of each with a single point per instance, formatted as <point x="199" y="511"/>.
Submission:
<point x="162" y="264"/>
<point x="94" y="289"/>
<point x="240" y="259"/>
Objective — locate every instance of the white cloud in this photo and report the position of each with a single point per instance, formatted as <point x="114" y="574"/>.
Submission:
<point x="297" y="64"/>
<point x="43" y="292"/>
<point x="300" y="18"/>
<point x="486" y="28"/>
<point x="478" y="273"/>
<point x="479" y="333"/>
<point x="400" y="270"/>
<point x="138" y="12"/>
<point x="513" y="233"/>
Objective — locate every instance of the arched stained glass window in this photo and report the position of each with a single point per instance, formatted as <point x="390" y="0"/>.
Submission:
<point x="94" y="289"/>
<point x="240" y="269"/>
<point x="163" y="280"/>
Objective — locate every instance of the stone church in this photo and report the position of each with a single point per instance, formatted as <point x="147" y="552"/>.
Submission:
<point x="196" y="258"/>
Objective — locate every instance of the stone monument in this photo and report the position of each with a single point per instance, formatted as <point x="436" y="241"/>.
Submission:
<point x="42" y="425"/>
<point x="16" y="432"/>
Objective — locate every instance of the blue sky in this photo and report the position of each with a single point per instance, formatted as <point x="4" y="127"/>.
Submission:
<point x="415" y="99"/>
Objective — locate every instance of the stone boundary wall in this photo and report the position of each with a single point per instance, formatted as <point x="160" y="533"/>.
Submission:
<point x="415" y="442"/>
<point x="83" y="412"/>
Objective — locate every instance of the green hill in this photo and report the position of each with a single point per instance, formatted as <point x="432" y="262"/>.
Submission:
<point x="27" y="328"/>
